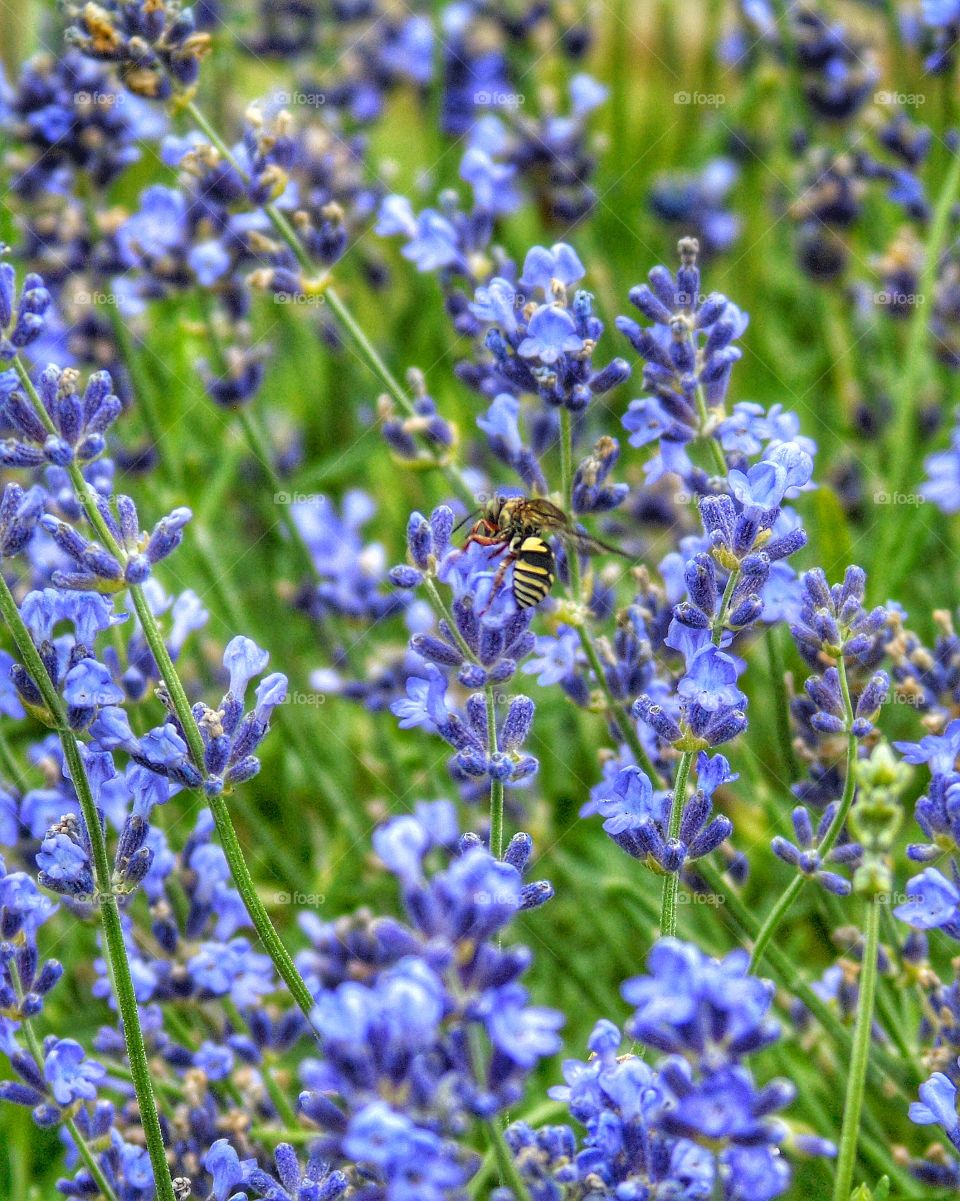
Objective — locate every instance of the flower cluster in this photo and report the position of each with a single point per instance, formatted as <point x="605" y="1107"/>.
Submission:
<point x="693" y="1124"/>
<point x="442" y="1020"/>
<point x="688" y="353"/>
<point x="638" y="820"/>
<point x="462" y="186"/>
<point x="155" y="47"/>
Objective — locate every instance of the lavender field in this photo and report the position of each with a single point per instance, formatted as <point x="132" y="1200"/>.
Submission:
<point x="479" y="691"/>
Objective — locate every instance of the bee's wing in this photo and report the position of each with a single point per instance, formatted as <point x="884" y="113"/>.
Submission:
<point x="547" y="514"/>
<point x="589" y="545"/>
<point x="553" y="518"/>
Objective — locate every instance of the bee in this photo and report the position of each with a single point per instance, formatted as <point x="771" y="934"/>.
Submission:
<point x="517" y="524"/>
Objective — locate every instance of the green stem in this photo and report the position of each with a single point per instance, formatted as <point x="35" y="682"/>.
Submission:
<point x="83" y="1147"/>
<point x="887" y="1069"/>
<point x="794" y="888"/>
<point x="566" y="457"/>
<point x="671" y="881"/>
<point x="856" y="1081"/>
<point x="281" y="1102"/>
<point x="271" y="1135"/>
<point x="620" y="718"/>
<point x="162" y="1087"/>
<point x="90" y="1160"/>
<point x="509" y="1172"/>
<point x="720" y="620"/>
<point x="716" y="450"/>
<point x="114" y="946"/>
<point x="778" y="676"/>
<point x="442" y="612"/>
<point x="362" y="344"/>
<point x="181" y="705"/>
<point x="265" y="928"/>
<point x="496" y="786"/>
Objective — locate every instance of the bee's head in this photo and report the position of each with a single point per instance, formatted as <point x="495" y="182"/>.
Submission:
<point x="492" y="510"/>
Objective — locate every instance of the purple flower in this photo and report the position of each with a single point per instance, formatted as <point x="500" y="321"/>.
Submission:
<point x="938" y="1106"/>
<point x="525" y="1033"/>
<point x="500" y="423"/>
<point x="227" y="1169"/>
<point x="70" y="1075"/>
<point x="496" y="303"/>
<point x="933" y="903"/>
<point x="243" y="659"/>
<point x="542" y="266"/>
<point x="435" y="243"/>
<point x="424" y="703"/>
<point x="554" y="659"/>
<point x="157" y="227"/>
<point x="88" y="685"/>
<point x="711" y="680"/>
<point x="551" y="332"/>
<point x="940" y="751"/>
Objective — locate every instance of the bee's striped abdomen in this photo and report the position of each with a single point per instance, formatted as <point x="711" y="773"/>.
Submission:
<point x="533" y="573"/>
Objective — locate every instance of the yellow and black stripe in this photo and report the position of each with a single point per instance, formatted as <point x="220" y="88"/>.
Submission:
<point x="533" y="571"/>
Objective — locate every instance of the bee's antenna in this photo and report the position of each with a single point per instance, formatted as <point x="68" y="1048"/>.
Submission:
<point x="469" y="517"/>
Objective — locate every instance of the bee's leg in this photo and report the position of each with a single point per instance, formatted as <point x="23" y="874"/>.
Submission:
<point x="482" y="540"/>
<point x="498" y="581"/>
